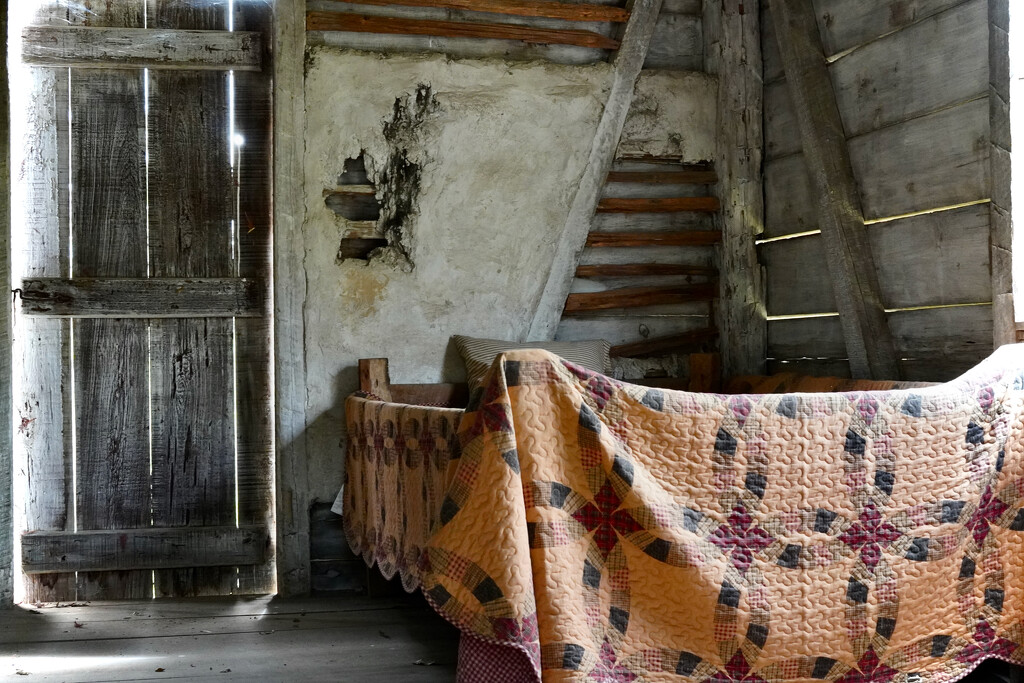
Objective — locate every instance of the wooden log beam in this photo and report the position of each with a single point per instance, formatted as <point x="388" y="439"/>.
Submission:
<point x="869" y="343"/>
<point x="660" y="345"/>
<point x="732" y="35"/>
<point x="664" y="177"/>
<point x="151" y="548"/>
<point x="120" y="48"/>
<point x="626" y="65"/>
<point x="636" y="297"/>
<point x="144" y="297"/>
<point x="290" y="385"/>
<point x="1004" y="79"/>
<point x="643" y="270"/>
<point x="679" y="238"/>
<point x="362" y="23"/>
<point x="658" y="205"/>
<point x="521" y="8"/>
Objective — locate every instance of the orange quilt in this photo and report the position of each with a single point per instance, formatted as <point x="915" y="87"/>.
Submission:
<point x="618" y="533"/>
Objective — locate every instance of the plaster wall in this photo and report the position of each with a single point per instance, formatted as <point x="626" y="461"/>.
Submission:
<point x="674" y="114"/>
<point x="500" y="149"/>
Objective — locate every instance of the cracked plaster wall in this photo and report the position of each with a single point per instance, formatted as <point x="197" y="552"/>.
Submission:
<point x="500" y="157"/>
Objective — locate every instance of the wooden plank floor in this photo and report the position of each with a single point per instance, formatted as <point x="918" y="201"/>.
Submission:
<point x="265" y="639"/>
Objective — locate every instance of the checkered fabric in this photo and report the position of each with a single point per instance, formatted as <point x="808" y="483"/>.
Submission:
<point x="609" y="532"/>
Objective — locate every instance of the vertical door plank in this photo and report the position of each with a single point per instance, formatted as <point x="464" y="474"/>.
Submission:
<point x="191" y="207"/>
<point x="108" y="219"/>
<point x="39" y="346"/>
<point x="253" y="335"/>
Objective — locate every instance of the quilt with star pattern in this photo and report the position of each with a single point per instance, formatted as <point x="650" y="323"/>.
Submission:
<point x="612" y="532"/>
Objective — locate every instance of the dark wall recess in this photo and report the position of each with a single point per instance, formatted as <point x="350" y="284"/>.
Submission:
<point x="380" y="213"/>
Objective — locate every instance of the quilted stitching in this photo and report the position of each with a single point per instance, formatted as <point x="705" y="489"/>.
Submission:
<point x="654" y="535"/>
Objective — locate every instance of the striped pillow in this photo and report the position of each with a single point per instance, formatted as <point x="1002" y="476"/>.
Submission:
<point x="478" y="354"/>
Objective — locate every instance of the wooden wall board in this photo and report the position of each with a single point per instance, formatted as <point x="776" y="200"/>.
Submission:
<point x="924" y="175"/>
<point x="607" y="255"/>
<point x="789" y="200"/>
<point x="911" y="73"/>
<point x="677" y="43"/>
<point x="661" y="188"/>
<point x="919" y="178"/>
<point x="625" y="330"/>
<point x="773" y="71"/>
<point x="934" y="344"/>
<point x="603" y="284"/>
<point x="934" y="259"/>
<point x="845" y="24"/>
<point x="781" y="132"/>
<point x="639" y="222"/>
<point x="683" y="7"/>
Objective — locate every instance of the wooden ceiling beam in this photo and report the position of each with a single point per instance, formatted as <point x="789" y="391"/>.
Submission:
<point x="362" y="23"/>
<point x="520" y="8"/>
<point x="869" y="343"/>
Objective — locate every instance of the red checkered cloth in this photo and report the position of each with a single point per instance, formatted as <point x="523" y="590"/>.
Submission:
<point x="484" y="662"/>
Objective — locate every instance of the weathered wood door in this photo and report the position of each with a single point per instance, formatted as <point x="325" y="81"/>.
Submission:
<point x="143" y="423"/>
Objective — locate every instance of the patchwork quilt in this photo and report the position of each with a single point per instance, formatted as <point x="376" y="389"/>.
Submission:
<point x="612" y="532"/>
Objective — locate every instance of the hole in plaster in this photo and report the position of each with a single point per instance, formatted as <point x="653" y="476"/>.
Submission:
<point x="387" y="199"/>
<point x="355" y="200"/>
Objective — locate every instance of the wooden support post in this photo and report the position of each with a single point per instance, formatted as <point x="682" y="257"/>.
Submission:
<point x="6" y="464"/>
<point x="1004" y="329"/>
<point x="374" y="377"/>
<point x="732" y="30"/>
<point x="289" y="300"/>
<point x="627" y="64"/>
<point x="869" y="344"/>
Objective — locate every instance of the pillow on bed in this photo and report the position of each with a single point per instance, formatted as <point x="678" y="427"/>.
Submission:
<point x="478" y="354"/>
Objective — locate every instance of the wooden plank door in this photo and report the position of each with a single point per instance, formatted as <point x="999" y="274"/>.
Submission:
<point x="160" y="474"/>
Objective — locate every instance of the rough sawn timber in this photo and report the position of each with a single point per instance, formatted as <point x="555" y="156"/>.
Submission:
<point x="108" y="230"/>
<point x="568" y="11"/>
<point x="634" y="297"/>
<point x="363" y="23"/>
<point x="121" y="48"/>
<point x="143" y="297"/>
<point x="732" y="34"/>
<point x="869" y="343"/>
<point x="676" y="238"/>
<point x="292" y="476"/>
<point x="627" y="63"/>
<point x="153" y="548"/>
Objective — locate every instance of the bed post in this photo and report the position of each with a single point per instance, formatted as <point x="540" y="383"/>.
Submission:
<point x="374" y="377"/>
